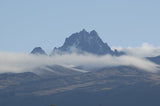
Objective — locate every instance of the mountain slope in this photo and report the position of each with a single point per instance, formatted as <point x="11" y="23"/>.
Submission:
<point x="125" y="86"/>
<point x="57" y="71"/>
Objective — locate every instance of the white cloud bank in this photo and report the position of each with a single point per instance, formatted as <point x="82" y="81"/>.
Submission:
<point x="146" y="50"/>
<point x="21" y="62"/>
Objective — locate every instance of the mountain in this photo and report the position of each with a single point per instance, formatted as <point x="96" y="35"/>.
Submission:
<point x="85" y="41"/>
<point x="62" y="85"/>
<point x="38" y="51"/>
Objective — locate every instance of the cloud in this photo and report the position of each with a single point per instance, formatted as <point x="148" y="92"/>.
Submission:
<point x="21" y="62"/>
<point x="146" y="50"/>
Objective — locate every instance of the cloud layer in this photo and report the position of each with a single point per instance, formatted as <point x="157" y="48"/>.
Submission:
<point x="146" y="50"/>
<point x="21" y="62"/>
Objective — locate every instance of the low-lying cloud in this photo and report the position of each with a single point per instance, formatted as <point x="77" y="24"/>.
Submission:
<point x="146" y="50"/>
<point x="21" y="62"/>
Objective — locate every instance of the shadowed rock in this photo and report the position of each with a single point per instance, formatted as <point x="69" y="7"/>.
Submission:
<point x="38" y="51"/>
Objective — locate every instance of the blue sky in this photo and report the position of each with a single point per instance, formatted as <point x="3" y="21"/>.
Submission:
<point x="25" y="24"/>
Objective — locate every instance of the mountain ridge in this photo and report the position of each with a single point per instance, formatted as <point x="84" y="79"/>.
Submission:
<point x="81" y="42"/>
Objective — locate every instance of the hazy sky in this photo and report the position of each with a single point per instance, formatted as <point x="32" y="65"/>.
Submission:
<point x="25" y="24"/>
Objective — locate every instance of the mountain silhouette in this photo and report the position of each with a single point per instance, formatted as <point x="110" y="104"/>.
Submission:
<point x="38" y="51"/>
<point x="84" y="41"/>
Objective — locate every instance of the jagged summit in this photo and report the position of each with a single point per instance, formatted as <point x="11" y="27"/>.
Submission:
<point x="38" y="51"/>
<point x="84" y="41"/>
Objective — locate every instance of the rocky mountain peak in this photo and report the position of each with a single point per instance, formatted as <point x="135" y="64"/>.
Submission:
<point x="84" y="41"/>
<point x="38" y="51"/>
<point x="93" y="33"/>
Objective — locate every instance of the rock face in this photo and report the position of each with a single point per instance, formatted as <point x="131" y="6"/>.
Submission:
<point x="85" y="42"/>
<point x="38" y="51"/>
